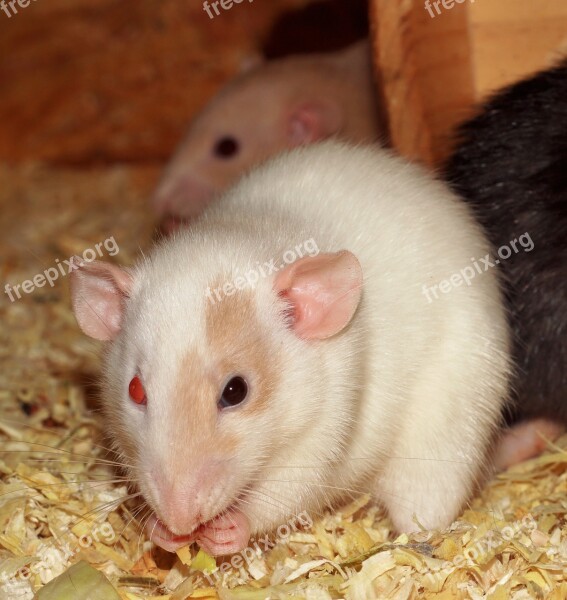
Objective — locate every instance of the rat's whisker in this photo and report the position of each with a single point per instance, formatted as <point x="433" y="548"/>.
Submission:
<point x="363" y="458"/>
<point x="261" y="495"/>
<point x="106" y="505"/>
<point x="151" y="534"/>
<point x="90" y="483"/>
<point x="64" y="436"/>
<point x="54" y="460"/>
<point x="264" y="498"/>
<point x="133" y="519"/>
<point x="142" y="529"/>
<point x="316" y="484"/>
<point x="113" y="480"/>
<point x="61" y="452"/>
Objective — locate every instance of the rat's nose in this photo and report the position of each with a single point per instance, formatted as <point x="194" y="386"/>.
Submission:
<point x="184" y="502"/>
<point x="182" y="195"/>
<point x="170" y="224"/>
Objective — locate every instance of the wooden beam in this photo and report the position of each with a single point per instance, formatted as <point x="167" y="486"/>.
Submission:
<point x="424" y="72"/>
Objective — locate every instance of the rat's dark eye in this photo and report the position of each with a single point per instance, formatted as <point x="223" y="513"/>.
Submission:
<point x="137" y="391"/>
<point x="226" y="147"/>
<point x="235" y="392"/>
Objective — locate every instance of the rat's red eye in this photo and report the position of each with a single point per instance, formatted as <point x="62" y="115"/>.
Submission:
<point x="137" y="391"/>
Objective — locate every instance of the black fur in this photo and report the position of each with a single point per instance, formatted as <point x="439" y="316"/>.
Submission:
<point x="510" y="165"/>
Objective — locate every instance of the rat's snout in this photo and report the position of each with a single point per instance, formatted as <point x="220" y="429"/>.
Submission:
<point x="184" y="501"/>
<point x="183" y="196"/>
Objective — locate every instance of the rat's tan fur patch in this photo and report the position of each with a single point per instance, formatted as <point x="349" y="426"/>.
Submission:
<point x="236" y="337"/>
<point x="195" y="395"/>
<point x="237" y="345"/>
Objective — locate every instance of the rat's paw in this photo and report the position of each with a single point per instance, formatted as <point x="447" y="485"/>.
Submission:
<point x="226" y="534"/>
<point x="524" y="441"/>
<point x="222" y="535"/>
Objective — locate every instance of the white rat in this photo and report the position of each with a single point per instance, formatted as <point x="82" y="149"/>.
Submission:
<point x="272" y="107"/>
<point x="236" y="405"/>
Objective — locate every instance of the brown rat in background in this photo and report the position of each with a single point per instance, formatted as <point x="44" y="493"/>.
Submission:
<point x="272" y="107"/>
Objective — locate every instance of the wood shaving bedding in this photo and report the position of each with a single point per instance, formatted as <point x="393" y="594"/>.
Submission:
<point x="62" y="500"/>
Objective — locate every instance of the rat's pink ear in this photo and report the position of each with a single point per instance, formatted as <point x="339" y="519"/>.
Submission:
<point x="324" y="292"/>
<point x="98" y="292"/>
<point x="313" y="121"/>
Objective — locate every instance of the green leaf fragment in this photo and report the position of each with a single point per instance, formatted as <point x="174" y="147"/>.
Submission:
<point x="79" y="582"/>
<point x="204" y="562"/>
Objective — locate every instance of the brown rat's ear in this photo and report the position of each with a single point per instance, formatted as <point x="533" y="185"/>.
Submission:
<point x="324" y="292"/>
<point x="98" y="291"/>
<point x="312" y="121"/>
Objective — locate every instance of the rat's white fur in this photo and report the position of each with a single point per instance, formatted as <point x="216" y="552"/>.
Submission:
<point x="404" y="402"/>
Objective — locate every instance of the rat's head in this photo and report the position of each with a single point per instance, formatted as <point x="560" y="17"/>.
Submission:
<point x="202" y="392"/>
<point x="252" y="119"/>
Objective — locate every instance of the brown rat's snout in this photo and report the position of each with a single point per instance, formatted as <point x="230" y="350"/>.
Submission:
<point x="171" y="223"/>
<point x="178" y="201"/>
<point x="183" y="196"/>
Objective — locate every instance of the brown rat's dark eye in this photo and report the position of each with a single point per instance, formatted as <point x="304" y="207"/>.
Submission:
<point x="226" y="147"/>
<point x="234" y="393"/>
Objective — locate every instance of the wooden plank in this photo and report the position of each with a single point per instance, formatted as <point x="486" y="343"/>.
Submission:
<point x="424" y="72"/>
<point x="397" y="77"/>
<point x="88" y="81"/>
<point x="513" y="38"/>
